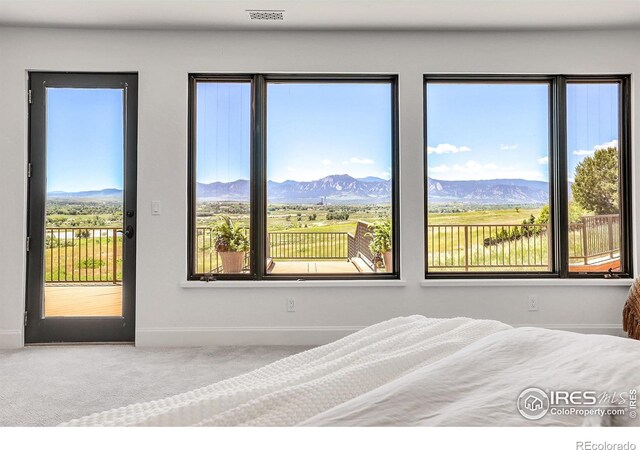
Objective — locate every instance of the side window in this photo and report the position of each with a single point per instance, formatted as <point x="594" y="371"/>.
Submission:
<point x="222" y="173"/>
<point x="594" y="177"/>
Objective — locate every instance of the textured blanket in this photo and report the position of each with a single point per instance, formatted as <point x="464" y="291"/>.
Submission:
<point x="479" y="385"/>
<point x="301" y="386"/>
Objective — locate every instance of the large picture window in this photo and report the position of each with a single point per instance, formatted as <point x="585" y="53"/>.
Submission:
<point x="526" y="176"/>
<point x="293" y="177"/>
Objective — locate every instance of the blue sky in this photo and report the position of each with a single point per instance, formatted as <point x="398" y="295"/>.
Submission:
<point x="491" y="131"/>
<point x="313" y="130"/>
<point x="223" y="132"/>
<point x="475" y="131"/>
<point x="592" y="120"/>
<point x="85" y="141"/>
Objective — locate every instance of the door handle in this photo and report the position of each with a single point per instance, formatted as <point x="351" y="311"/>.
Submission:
<point x="129" y="232"/>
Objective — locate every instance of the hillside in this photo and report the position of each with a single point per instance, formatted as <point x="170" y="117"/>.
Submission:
<point x="345" y="189"/>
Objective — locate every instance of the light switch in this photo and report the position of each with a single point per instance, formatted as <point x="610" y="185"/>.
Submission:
<point x="155" y="207"/>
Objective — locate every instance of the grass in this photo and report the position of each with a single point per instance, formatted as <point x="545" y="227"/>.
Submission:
<point x="486" y="217"/>
<point x="91" y="259"/>
<point x="453" y="249"/>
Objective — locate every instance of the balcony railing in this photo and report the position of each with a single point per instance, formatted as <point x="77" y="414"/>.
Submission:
<point x="518" y="247"/>
<point x="292" y="246"/>
<point x="308" y="245"/>
<point x="87" y="254"/>
<point x="487" y="247"/>
<point x="594" y="237"/>
<point x="94" y="254"/>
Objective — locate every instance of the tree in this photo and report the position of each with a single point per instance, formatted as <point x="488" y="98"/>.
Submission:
<point x="596" y="183"/>
<point x="544" y="215"/>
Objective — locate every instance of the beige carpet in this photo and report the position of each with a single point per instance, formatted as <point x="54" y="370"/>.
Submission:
<point x="44" y="386"/>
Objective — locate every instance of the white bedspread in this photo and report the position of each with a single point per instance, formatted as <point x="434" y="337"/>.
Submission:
<point x="479" y="385"/>
<point x="302" y="386"/>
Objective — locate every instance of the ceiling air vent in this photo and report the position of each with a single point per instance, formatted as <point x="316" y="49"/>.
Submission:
<point x="266" y="14"/>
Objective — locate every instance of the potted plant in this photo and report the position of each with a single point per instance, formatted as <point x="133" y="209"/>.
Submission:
<point x="231" y="244"/>
<point x="380" y="244"/>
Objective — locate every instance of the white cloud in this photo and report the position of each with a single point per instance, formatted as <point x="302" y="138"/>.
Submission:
<point x="613" y="143"/>
<point x="544" y="160"/>
<point x="326" y="162"/>
<point x="367" y="161"/>
<point x="508" y="147"/>
<point x="447" y="148"/>
<point x="473" y="170"/>
<point x="440" y="169"/>
<point x="291" y="169"/>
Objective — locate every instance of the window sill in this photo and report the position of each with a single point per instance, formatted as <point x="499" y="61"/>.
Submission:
<point x="224" y="284"/>
<point x="540" y="282"/>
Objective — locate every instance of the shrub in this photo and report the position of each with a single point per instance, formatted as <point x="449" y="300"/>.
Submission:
<point x="83" y="234"/>
<point x="230" y="237"/>
<point x="338" y="216"/>
<point x="91" y="263"/>
<point x="380" y="235"/>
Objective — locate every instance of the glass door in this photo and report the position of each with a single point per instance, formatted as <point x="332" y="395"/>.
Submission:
<point x="81" y="245"/>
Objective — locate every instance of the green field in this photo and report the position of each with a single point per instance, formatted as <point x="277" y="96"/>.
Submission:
<point x="295" y="218"/>
<point x="484" y="217"/>
<point x="469" y="241"/>
<point x="457" y="240"/>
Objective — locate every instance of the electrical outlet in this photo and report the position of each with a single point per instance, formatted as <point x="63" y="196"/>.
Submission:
<point x="291" y="305"/>
<point x="533" y="303"/>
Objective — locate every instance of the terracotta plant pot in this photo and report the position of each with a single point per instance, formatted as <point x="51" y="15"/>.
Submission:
<point x="388" y="261"/>
<point x="232" y="262"/>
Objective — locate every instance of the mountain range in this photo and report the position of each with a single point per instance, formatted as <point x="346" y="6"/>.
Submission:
<point x="101" y="194"/>
<point x="335" y="188"/>
<point x="500" y="191"/>
<point x="345" y="189"/>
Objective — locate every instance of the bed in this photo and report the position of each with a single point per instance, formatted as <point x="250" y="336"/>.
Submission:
<point x="412" y="371"/>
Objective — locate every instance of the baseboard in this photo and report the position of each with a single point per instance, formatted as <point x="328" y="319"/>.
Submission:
<point x="11" y="339"/>
<point x="604" y="328"/>
<point x="317" y="335"/>
<point x="202" y="336"/>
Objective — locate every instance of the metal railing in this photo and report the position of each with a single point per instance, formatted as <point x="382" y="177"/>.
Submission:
<point x="486" y="247"/>
<point x="86" y="254"/>
<point x="289" y="246"/>
<point x="478" y="247"/>
<point x="594" y="237"/>
<point x="308" y="245"/>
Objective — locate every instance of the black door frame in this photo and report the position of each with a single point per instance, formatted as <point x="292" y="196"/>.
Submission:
<point x="39" y="329"/>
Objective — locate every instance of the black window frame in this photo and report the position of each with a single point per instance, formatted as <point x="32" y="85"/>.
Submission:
<point x="258" y="181"/>
<point x="558" y="175"/>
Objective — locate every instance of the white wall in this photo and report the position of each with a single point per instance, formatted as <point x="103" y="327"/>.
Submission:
<point x="170" y="314"/>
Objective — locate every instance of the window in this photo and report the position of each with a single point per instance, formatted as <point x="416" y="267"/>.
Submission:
<point x="526" y="176"/>
<point x="293" y="177"/>
<point x="222" y="173"/>
<point x="594" y="155"/>
<point x="487" y="177"/>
